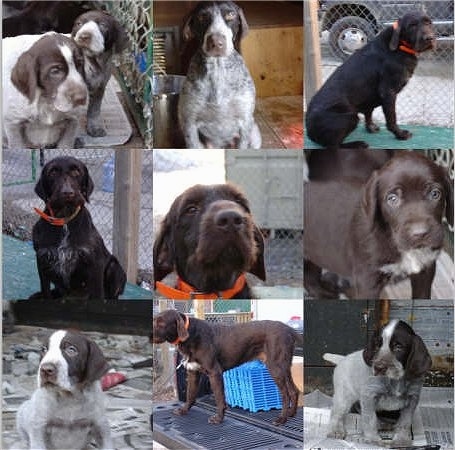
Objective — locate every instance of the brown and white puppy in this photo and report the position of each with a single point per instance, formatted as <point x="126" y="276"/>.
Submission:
<point x="379" y="232"/>
<point x="386" y="376"/>
<point x="100" y="37"/>
<point x="43" y="91"/>
<point x="212" y="348"/>
<point x="67" y="408"/>
<point x="210" y="239"/>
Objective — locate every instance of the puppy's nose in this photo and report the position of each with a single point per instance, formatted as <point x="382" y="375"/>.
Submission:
<point x="229" y="220"/>
<point x="418" y="230"/>
<point x="216" y="41"/>
<point x="48" y="371"/>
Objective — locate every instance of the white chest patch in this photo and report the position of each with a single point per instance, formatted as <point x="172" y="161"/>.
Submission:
<point x="191" y="365"/>
<point x="411" y="262"/>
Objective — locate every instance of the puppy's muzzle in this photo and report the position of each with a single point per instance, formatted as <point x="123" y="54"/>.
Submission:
<point x="216" y="44"/>
<point x="48" y="373"/>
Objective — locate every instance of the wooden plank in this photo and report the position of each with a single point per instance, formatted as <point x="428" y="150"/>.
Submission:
<point x="274" y="57"/>
<point x="127" y="209"/>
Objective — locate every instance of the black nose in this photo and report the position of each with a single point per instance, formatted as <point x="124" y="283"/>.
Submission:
<point x="229" y="220"/>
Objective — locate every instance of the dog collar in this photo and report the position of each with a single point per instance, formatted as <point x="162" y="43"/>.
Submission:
<point x="184" y="291"/>
<point x="57" y="221"/>
<point x="404" y="46"/>
<point x="187" y="324"/>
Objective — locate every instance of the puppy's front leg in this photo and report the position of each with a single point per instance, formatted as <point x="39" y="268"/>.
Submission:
<point x="217" y="385"/>
<point x="103" y="434"/>
<point x="388" y="107"/>
<point x="37" y="439"/>
<point x="68" y="138"/>
<point x="15" y="136"/>
<point x="192" y="384"/>
<point x="421" y="282"/>
<point x="369" y="418"/>
<point x="95" y="126"/>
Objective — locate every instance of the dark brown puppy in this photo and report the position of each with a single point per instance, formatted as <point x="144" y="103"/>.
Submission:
<point x="380" y="232"/>
<point x="70" y="253"/>
<point x="214" y="348"/>
<point x="371" y="77"/>
<point x="209" y="238"/>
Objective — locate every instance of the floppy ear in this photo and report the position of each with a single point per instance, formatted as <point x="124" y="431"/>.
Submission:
<point x="40" y="188"/>
<point x="187" y="33"/>
<point x="182" y="332"/>
<point x="121" y="38"/>
<point x="87" y="185"/>
<point x="243" y="29"/>
<point x="395" y="39"/>
<point x="258" y="267"/>
<point x="164" y="250"/>
<point x="419" y="360"/>
<point x="448" y="185"/>
<point x="97" y="365"/>
<point x="24" y="76"/>
<point x="369" y="202"/>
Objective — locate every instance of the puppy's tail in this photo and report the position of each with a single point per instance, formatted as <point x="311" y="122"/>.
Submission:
<point x="333" y="358"/>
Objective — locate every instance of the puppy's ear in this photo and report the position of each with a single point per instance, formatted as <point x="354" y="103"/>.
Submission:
<point x="24" y="75"/>
<point x="258" y="267"/>
<point x="41" y="188"/>
<point x="97" y="365"/>
<point x="87" y="185"/>
<point x="243" y="29"/>
<point x="121" y="40"/>
<point x="448" y="187"/>
<point x="164" y="250"/>
<point x="182" y="332"/>
<point x="395" y="39"/>
<point x="419" y="360"/>
<point x="187" y="32"/>
<point x="369" y="202"/>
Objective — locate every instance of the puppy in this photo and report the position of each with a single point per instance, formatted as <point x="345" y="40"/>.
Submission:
<point x="67" y="408"/>
<point x="44" y="93"/>
<point x="379" y="232"/>
<point x="387" y="376"/>
<point x="217" y="101"/>
<point x="214" y="348"/>
<point x="372" y="76"/>
<point x="70" y="253"/>
<point x="100" y="37"/>
<point x="209" y="238"/>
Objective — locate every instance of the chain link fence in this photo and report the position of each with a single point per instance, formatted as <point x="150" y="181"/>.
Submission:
<point x="271" y="180"/>
<point x="21" y="170"/>
<point x="346" y="26"/>
<point x="135" y="66"/>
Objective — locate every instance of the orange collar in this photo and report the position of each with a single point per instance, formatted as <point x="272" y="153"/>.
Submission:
<point x="404" y="46"/>
<point x="187" y="324"/>
<point x="184" y="291"/>
<point x="57" y="221"/>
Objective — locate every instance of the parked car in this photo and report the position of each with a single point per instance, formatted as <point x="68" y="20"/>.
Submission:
<point x="352" y="23"/>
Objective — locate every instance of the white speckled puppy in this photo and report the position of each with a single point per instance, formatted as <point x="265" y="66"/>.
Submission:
<point x="67" y="409"/>
<point x="217" y="101"/>
<point x="386" y="376"/>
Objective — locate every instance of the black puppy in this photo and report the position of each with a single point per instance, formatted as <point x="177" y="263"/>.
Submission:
<point x="100" y="37"/>
<point x="70" y="253"/>
<point x="371" y="77"/>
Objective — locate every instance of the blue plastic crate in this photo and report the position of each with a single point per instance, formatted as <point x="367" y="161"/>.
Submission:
<point x="251" y="387"/>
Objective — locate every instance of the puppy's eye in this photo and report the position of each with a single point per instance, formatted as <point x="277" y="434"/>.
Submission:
<point x="56" y="71"/>
<point x="435" y="194"/>
<point x="230" y="16"/>
<point x="397" y="347"/>
<point x="192" y="209"/>
<point x="43" y="349"/>
<point x="393" y="199"/>
<point x="75" y="172"/>
<point x="71" y="350"/>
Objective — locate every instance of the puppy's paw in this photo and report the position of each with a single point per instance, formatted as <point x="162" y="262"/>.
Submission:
<point x="372" y="127"/>
<point x="180" y="411"/>
<point x="403" y="135"/>
<point x="96" y="131"/>
<point x="215" y="419"/>
<point x="336" y="434"/>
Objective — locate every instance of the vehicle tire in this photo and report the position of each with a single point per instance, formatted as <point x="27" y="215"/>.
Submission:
<point x="348" y="34"/>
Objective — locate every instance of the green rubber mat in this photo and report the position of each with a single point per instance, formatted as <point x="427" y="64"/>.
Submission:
<point x="422" y="138"/>
<point x="20" y="274"/>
